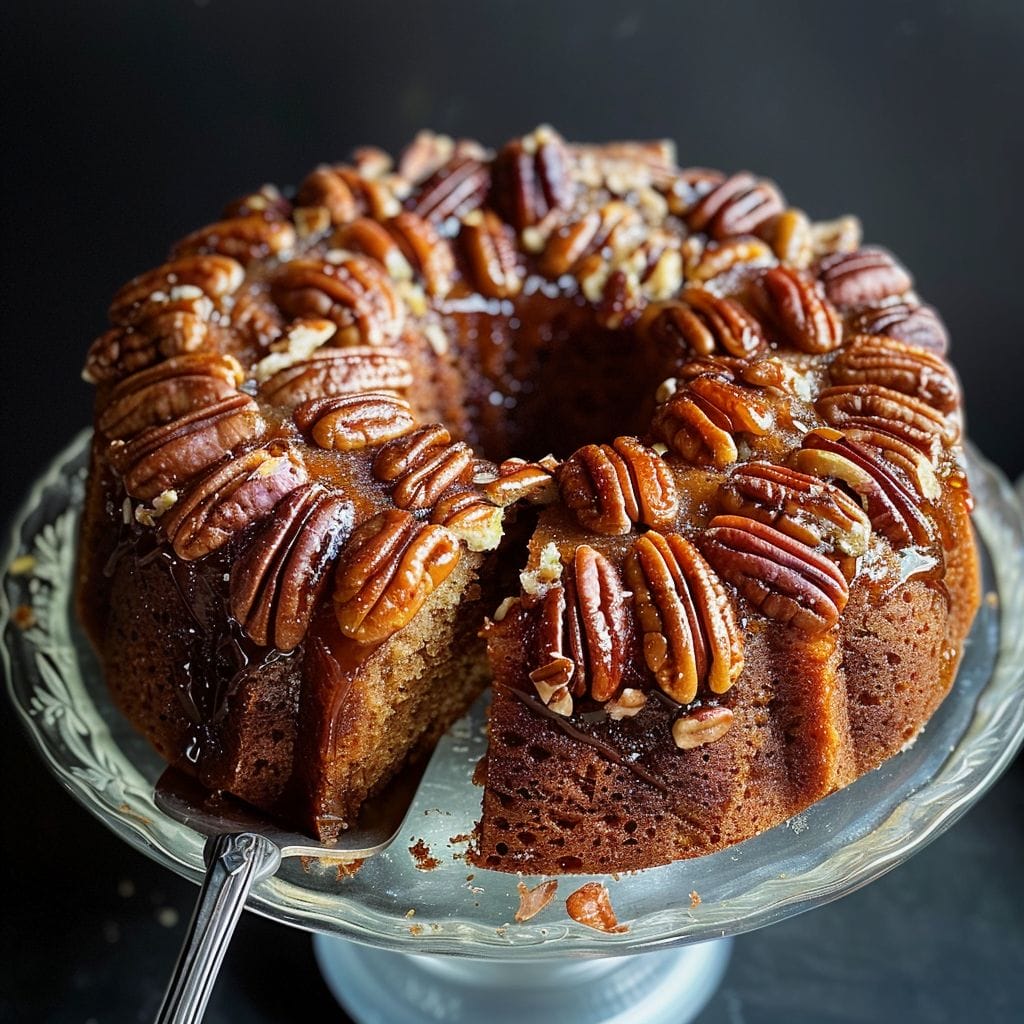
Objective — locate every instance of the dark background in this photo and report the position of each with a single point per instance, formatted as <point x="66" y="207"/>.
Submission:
<point x="128" y="124"/>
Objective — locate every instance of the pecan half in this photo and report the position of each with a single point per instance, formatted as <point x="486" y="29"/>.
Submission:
<point x="612" y="487"/>
<point x="390" y="566"/>
<point x="865" y="277"/>
<point x="702" y="323"/>
<point x="905" y="321"/>
<point x="874" y="407"/>
<point x="894" y="512"/>
<point x="277" y="582"/>
<point x="244" y="239"/>
<point x="339" y="371"/>
<point x="737" y="206"/>
<point x="356" y="294"/>
<point x="345" y="423"/>
<point x="584" y="634"/>
<point x="518" y="480"/>
<point x="698" y="422"/>
<point x="472" y="518"/>
<point x="165" y="457"/>
<point x="784" y="579"/>
<point x="803" y="507"/>
<point x="167" y="391"/>
<point x="800" y="310"/>
<point x="231" y="497"/>
<point x="700" y="727"/>
<point x="490" y="248"/>
<point x="213" y="276"/>
<point x="691" y="637"/>
<point x="346" y="194"/>
<point x="913" y="463"/>
<point x="422" y="465"/>
<point x="531" y="178"/>
<point x="605" y="235"/>
<point x="871" y="359"/>
<point x="453" y="190"/>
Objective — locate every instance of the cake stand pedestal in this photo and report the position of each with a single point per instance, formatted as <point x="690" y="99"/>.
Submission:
<point x="444" y="944"/>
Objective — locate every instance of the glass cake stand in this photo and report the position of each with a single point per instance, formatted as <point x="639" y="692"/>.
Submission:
<point x="444" y="941"/>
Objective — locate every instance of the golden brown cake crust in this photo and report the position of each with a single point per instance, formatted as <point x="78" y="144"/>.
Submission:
<point x="328" y="427"/>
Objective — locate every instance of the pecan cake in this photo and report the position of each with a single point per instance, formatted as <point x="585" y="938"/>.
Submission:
<point x="672" y="468"/>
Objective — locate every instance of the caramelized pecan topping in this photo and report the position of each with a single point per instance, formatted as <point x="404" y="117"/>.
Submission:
<point x="519" y="480"/>
<point x="277" y="582"/>
<point x="390" y="566"/>
<point x="211" y="276"/>
<point x="339" y="371"/>
<point x="165" y="457"/>
<point x="789" y="234"/>
<point x="612" y="487"/>
<point x="866" y="277"/>
<point x="584" y="633"/>
<point x="874" y="407"/>
<point x="803" y="507"/>
<point x="702" y="323"/>
<point x="490" y="248"/>
<point x="245" y="239"/>
<point x="704" y="260"/>
<point x="356" y="294"/>
<point x="737" y="206"/>
<point x="701" y="726"/>
<point x="453" y="190"/>
<point x="869" y="359"/>
<point x="266" y="201"/>
<point x="908" y="322"/>
<point x="698" y="422"/>
<point x="799" y="309"/>
<point x="690" y="633"/>
<point x="168" y="391"/>
<point x="234" y="495"/>
<point x="913" y="463"/>
<point x="531" y="178"/>
<point x="472" y="518"/>
<point x="422" y="465"/>
<point x="345" y="423"/>
<point x="347" y="194"/>
<point x="784" y="579"/>
<point x="894" y="512"/>
<point x="598" y="238"/>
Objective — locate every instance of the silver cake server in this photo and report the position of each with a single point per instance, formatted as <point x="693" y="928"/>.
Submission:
<point x="241" y="849"/>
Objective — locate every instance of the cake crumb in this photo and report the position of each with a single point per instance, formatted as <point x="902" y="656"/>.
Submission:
<point x="590" y="905"/>
<point x="347" y="868"/>
<point x="694" y="898"/>
<point x="411" y="912"/>
<point x="992" y="599"/>
<point x="533" y="901"/>
<point x="415" y="929"/>
<point x="421" y="855"/>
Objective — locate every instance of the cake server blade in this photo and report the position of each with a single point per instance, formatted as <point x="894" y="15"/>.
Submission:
<point x="243" y="848"/>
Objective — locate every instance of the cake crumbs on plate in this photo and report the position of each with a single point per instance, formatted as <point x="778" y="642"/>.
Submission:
<point x="533" y="901"/>
<point x="694" y="899"/>
<point x="422" y="857"/>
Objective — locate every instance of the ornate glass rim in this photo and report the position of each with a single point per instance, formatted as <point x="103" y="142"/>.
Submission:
<point x="838" y="845"/>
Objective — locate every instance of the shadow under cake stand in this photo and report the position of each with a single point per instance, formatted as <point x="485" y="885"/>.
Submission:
<point x="397" y="943"/>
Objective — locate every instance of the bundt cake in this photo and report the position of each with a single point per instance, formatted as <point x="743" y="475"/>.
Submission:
<point x="672" y="468"/>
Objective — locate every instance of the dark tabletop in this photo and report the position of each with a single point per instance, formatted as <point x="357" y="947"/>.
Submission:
<point x="129" y="124"/>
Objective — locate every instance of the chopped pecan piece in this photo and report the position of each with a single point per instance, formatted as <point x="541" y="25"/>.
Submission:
<point x="702" y="323"/>
<point x="490" y="248"/>
<point x="590" y="905"/>
<point x="531" y="178"/>
<point x="453" y="190"/>
<point x="245" y="239"/>
<point x="390" y="566"/>
<point x="737" y="206"/>
<point x="784" y="579"/>
<point x="690" y="633"/>
<point x="472" y="518"/>
<point x="797" y="306"/>
<point x="519" y="480"/>
<point x="866" y="277"/>
<point x="893" y="510"/>
<point x="905" y="321"/>
<point x="698" y="421"/>
<point x="790" y="236"/>
<point x="871" y="359"/>
<point x="584" y="634"/>
<point x="344" y="423"/>
<point x="533" y="901"/>
<point x="235" y="494"/>
<point x="700" y="727"/>
<point x="277" y="582"/>
<point x="612" y="487"/>
<point x="422" y="466"/>
<point x="167" y="391"/>
<point x="356" y="294"/>
<point x="164" y="457"/>
<point x="605" y="235"/>
<point x="338" y="371"/>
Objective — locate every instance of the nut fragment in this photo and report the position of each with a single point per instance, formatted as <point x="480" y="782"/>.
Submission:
<point x="489" y="245"/>
<point x="390" y="566"/>
<point x="700" y="727"/>
<point x="422" y="465"/>
<point x="531" y="178"/>
<point x="276" y="583"/>
<point x="737" y="206"/>
<point x="784" y="579"/>
<point x="702" y="323"/>
<point x="518" y="480"/>
<point x="533" y="901"/>
<point x="690" y="633"/>
<point x="800" y="310"/>
<point x="338" y="371"/>
<point x="704" y="261"/>
<point x="344" y="423"/>
<point x="612" y="487"/>
<point x="232" y="496"/>
<point x="472" y="518"/>
<point x="865" y="277"/>
<point x="590" y="905"/>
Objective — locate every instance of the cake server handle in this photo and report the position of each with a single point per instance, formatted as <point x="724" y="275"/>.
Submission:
<point x="235" y="861"/>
